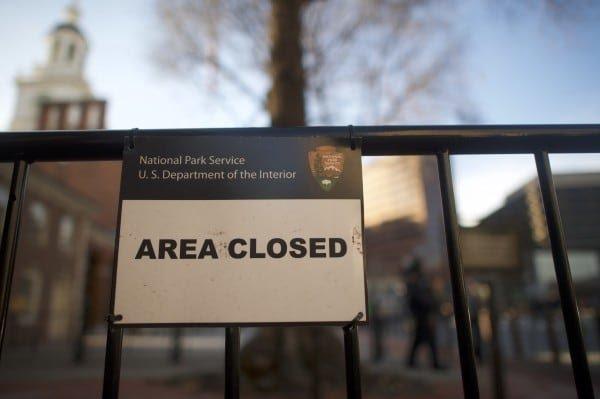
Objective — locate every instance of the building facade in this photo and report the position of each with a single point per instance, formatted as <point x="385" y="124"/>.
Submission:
<point x="522" y="216"/>
<point x="56" y="95"/>
<point x="61" y="283"/>
<point x="403" y="215"/>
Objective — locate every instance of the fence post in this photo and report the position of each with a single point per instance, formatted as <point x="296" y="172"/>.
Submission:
<point x="112" y="361"/>
<point x="10" y="239"/>
<point x="497" y="360"/>
<point x="315" y="381"/>
<point x="459" y="296"/>
<point x="352" y="356"/>
<point x="232" y="363"/>
<point x="579" y="362"/>
<point x="177" y="343"/>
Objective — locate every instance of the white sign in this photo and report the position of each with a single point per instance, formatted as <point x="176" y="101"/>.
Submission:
<point x="204" y="243"/>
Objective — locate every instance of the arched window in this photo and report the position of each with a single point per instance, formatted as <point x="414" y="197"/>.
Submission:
<point x="39" y="216"/>
<point x="71" y="52"/>
<point x="26" y="301"/>
<point x="55" y="49"/>
<point x="66" y="232"/>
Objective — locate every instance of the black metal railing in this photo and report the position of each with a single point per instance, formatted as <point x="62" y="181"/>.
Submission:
<point x="23" y="148"/>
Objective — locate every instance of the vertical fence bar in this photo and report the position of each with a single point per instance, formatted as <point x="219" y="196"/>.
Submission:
<point x="112" y="362"/>
<point x="352" y="355"/>
<point x="497" y="360"/>
<point x="579" y="362"/>
<point x="515" y="332"/>
<point x="232" y="363"/>
<point x="315" y="381"/>
<point x="459" y="295"/>
<point x="176" y="349"/>
<point x="10" y="239"/>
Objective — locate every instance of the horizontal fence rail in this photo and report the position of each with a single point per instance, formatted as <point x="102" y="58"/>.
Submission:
<point x="25" y="147"/>
<point x="376" y="140"/>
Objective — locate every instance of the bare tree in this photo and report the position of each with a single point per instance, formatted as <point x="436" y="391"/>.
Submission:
<point x="334" y="61"/>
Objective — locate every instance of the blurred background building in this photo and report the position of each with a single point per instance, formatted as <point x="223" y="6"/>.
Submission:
<point x="62" y="281"/>
<point x="403" y="219"/>
<point x="527" y="256"/>
<point x="56" y="95"/>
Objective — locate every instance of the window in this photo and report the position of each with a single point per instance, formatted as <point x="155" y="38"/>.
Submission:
<point x="71" y="52"/>
<point x="3" y="203"/>
<point x="66" y="230"/>
<point x="26" y="300"/>
<point x="3" y="200"/>
<point x="39" y="216"/>
<point x="55" y="49"/>
<point x="94" y="116"/>
<point x="52" y="118"/>
<point x="60" y="306"/>
<point x="73" y="116"/>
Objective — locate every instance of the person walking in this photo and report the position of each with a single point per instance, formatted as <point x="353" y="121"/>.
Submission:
<point x="423" y="307"/>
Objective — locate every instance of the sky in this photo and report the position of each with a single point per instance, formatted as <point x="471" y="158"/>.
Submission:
<point x="529" y="71"/>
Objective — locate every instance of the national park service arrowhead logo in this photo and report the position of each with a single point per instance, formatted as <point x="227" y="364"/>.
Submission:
<point x="326" y="165"/>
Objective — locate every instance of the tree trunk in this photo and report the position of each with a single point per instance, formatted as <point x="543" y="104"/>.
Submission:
<point x="286" y="96"/>
<point x="283" y="357"/>
<point x="286" y="107"/>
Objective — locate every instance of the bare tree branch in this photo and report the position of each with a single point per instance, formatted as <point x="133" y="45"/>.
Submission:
<point x="358" y="46"/>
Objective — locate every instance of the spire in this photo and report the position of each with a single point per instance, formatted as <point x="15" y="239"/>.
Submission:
<point x="70" y="19"/>
<point x="67" y="45"/>
<point x="71" y="13"/>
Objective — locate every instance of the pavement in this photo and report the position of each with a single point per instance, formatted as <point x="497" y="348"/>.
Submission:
<point x="149" y="372"/>
<point x="143" y="357"/>
<point x="523" y="381"/>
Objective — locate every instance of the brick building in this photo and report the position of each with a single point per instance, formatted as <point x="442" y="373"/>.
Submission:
<point x="64" y="259"/>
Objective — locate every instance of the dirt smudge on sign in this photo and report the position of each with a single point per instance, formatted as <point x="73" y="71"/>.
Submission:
<point x="357" y="239"/>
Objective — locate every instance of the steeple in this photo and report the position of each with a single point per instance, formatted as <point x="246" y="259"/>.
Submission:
<point x="72" y="13"/>
<point x="56" y="95"/>
<point x="67" y="45"/>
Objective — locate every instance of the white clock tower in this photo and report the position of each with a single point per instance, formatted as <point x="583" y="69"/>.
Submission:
<point x="56" y="95"/>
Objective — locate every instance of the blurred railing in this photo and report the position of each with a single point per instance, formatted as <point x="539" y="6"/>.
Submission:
<point x="23" y="148"/>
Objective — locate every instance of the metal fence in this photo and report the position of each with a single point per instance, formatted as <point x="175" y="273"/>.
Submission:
<point x="23" y="148"/>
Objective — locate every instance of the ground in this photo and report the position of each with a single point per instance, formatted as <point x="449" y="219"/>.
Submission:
<point x="523" y="382"/>
<point x="150" y="373"/>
